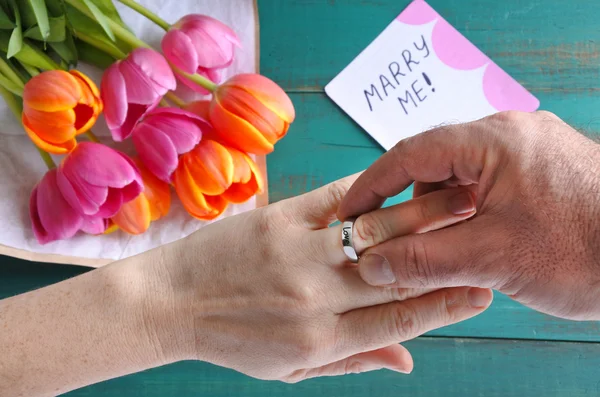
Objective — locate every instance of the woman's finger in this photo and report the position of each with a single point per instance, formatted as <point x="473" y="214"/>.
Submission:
<point x="394" y="357"/>
<point x="431" y="211"/>
<point x="349" y="291"/>
<point x="379" y="326"/>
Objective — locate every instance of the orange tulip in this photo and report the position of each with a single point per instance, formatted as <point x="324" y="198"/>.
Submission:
<point x="211" y="176"/>
<point x="251" y="113"/>
<point x="57" y="106"/>
<point x="154" y="202"/>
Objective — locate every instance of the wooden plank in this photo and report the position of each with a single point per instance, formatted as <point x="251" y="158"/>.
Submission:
<point x="443" y="368"/>
<point x="505" y="319"/>
<point x="549" y="45"/>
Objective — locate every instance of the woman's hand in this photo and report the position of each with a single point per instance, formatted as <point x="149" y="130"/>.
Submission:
<point x="270" y="293"/>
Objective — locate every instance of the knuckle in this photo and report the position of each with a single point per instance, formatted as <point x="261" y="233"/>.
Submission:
<point x="370" y="229"/>
<point x="546" y="115"/>
<point x="406" y="322"/>
<point x="416" y="264"/>
<point x="422" y="211"/>
<point x="308" y="346"/>
<point x="509" y="116"/>
<point x="337" y="190"/>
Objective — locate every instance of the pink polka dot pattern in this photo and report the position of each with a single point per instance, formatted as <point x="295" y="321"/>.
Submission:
<point x="417" y="13"/>
<point x="453" y="49"/>
<point x="504" y="93"/>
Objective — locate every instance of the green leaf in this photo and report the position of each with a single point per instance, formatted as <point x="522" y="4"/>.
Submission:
<point x="40" y="15"/>
<point x="109" y="9"/>
<point x="5" y="21"/>
<point x="16" y="38"/>
<point x="28" y="54"/>
<point x="66" y="50"/>
<point x="100" y="18"/>
<point x="57" y="31"/>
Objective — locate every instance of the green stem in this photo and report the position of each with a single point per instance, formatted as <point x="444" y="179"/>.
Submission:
<point x="103" y="46"/>
<point x="30" y="69"/>
<point x="16" y="107"/>
<point x="117" y="29"/>
<point x="92" y="136"/>
<point x="175" y="99"/>
<point x="147" y="13"/>
<point x="11" y="86"/>
<point x="196" y="78"/>
<point x="47" y="159"/>
<point x="8" y="71"/>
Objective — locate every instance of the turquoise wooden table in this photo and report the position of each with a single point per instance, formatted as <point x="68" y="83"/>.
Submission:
<point x="553" y="48"/>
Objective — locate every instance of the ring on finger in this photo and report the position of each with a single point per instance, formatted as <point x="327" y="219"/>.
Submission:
<point x="348" y="240"/>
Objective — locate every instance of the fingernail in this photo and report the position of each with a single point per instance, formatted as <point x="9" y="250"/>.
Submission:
<point x="462" y="203"/>
<point x="478" y="297"/>
<point x="376" y="270"/>
<point x="401" y="370"/>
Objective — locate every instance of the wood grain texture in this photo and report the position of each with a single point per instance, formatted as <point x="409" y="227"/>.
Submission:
<point x="443" y="368"/>
<point x="553" y="48"/>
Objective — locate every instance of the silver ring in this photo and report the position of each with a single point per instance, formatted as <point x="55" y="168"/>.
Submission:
<point x="347" y="240"/>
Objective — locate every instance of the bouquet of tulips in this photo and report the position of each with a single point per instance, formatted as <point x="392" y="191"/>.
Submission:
<point x="203" y="148"/>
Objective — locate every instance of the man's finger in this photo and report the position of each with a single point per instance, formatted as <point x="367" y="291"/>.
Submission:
<point x="430" y="212"/>
<point x="378" y="326"/>
<point x="451" y="257"/>
<point x="430" y="157"/>
<point x="394" y="357"/>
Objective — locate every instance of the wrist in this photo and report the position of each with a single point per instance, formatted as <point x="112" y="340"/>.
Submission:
<point x="163" y="306"/>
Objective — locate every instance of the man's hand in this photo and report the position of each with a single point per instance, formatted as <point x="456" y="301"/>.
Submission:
<point x="536" y="236"/>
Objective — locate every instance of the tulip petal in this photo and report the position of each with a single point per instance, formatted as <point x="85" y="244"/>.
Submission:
<point x="242" y="191"/>
<point x="52" y="127"/>
<point x="114" y="96"/>
<point x="100" y="165"/>
<point x="241" y="168"/>
<point x="52" y="91"/>
<point x="153" y="65"/>
<point x="83" y="197"/>
<point x="237" y="132"/>
<point x="54" y="218"/>
<point x="214" y="41"/>
<point x="134" y="216"/>
<point x="156" y="150"/>
<point x="87" y="81"/>
<point x="112" y="204"/>
<point x="211" y="167"/>
<point x="36" y="224"/>
<point x="267" y="92"/>
<point x="199" y="108"/>
<point x="157" y="192"/>
<point x="192" y="198"/>
<point x="61" y="148"/>
<point x="249" y="108"/>
<point x="94" y="225"/>
<point x="141" y="89"/>
<point x="183" y="128"/>
<point x="180" y="51"/>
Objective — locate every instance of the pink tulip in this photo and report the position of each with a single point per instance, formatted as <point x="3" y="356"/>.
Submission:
<point x="132" y="87"/>
<point x="96" y="180"/>
<point x="163" y="135"/>
<point x="200" y="44"/>
<point x="52" y="218"/>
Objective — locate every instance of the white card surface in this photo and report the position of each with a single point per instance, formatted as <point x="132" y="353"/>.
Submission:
<point x="419" y="73"/>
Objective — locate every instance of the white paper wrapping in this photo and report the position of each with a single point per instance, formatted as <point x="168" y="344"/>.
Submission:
<point x="21" y="167"/>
